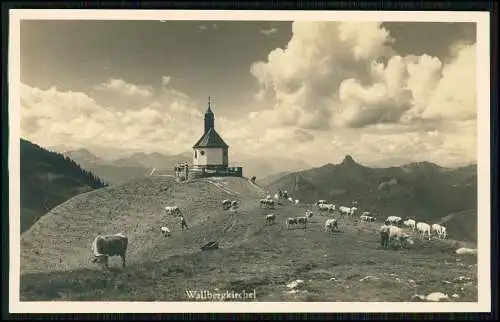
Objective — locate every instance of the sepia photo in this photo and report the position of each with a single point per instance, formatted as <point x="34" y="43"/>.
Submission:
<point x="218" y="161"/>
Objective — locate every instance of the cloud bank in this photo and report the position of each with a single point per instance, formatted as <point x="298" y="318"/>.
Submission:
<point x="337" y="88"/>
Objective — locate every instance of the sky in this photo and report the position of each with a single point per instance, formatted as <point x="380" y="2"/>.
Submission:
<point x="385" y="93"/>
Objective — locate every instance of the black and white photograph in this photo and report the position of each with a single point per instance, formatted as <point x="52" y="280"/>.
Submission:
<point x="333" y="162"/>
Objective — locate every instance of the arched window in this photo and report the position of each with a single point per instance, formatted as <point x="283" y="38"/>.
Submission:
<point x="195" y="154"/>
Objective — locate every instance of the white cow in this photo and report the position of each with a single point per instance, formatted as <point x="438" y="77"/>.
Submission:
<point x="439" y="230"/>
<point x="296" y="201"/>
<point x="165" y="231"/>
<point x="393" y="220"/>
<point x="331" y="224"/>
<point x="423" y="229"/>
<point x="291" y="222"/>
<point x="410" y="223"/>
<point x="172" y="210"/>
<point x="344" y="210"/>
<point x="353" y="210"/>
<point x="319" y="202"/>
<point x="270" y="219"/>
<point x="397" y="234"/>
<point x="326" y="207"/>
<point x="367" y="218"/>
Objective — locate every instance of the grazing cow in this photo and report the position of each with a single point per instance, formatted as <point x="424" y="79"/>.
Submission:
<point x="439" y="230"/>
<point x="276" y="196"/>
<point x="296" y="201"/>
<point x="366" y="213"/>
<point x="423" y="229"/>
<point x="172" y="210"/>
<point x="290" y="199"/>
<point x="226" y="204"/>
<point x="309" y="214"/>
<point x="267" y="203"/>
<point x="165" y="231"/>
<point x="410" y="223"/>
<point x="344" y="210"/>
<point x="291" y="222"/>
<point x="393" y="220"/>
<point x="109" y="245"/>
<point x="326" y="207"/>
<point x="235" y="204"/>
<point x="270" y="219"/>
<point x="367" y="218"/>
<point x="331" y="224"/>
<point x="319" y="202"/>
<point x="397" y="234"/>
<point x="390" y="233"/>
<point x="302" y="221"/>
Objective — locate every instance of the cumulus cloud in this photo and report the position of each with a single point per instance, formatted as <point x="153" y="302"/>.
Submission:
<point x="52" y="117"/>
<point x="337" y="88"/>
<point x="119" y="94"/>
<point x="346" y="75"/>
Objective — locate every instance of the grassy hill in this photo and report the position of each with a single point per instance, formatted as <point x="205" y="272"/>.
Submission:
<point x="48" y="179"/>
<point x="422" y="190"/>
<point x="55" y="252"/>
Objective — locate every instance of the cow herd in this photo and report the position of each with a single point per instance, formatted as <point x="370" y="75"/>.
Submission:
<point x="391" y="232"/>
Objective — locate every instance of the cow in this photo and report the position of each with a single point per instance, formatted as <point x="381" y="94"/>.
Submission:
<point x="302" y="221"/>
<point x="331" y="224"/>
<point x="393" y="220"/>
<point x="267" y="203"/>
<point x="410" y="223"/>
<point x="270" y="219"/>
<point x="226" y="204"/>
<point x="439" y="230"/>
<point x="309" y="214"/>
<point x="367" y="218"/>
<point x="326" y="207"/>
<point x="110" y="245"/>
<point x="423" y="229"/>
<point x="344" y="210"/>
<point x="319" y="202"/>
<point x="235" y="204"/>
<point x="390" y="233"/>
<point x="172" y="210"/>
<point x="291" y="222"/>
<point x="165" y="231"/>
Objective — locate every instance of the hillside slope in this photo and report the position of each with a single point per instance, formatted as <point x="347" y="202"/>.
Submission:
<point x="55" y="252"/>
<point x="48" y="179"/>
<point x="424" y="191"/>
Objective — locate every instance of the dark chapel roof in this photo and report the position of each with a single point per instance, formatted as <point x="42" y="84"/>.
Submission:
<point x="211" y="139"/>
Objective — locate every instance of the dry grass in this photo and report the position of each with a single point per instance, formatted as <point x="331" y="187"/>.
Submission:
<point x="55" y="252"/>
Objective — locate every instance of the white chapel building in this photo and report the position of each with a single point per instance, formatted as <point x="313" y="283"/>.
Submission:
<point x="210" y="152"/>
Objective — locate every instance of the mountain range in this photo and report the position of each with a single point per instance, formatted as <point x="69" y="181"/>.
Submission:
<point x="422" y="190"/>
<point x="139" y="164"/>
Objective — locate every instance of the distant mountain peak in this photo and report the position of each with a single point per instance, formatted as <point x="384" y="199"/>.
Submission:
<point x="348" y="160"/>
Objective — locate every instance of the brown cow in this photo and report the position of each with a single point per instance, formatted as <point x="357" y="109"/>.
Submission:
<point x="109" y="245"/>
